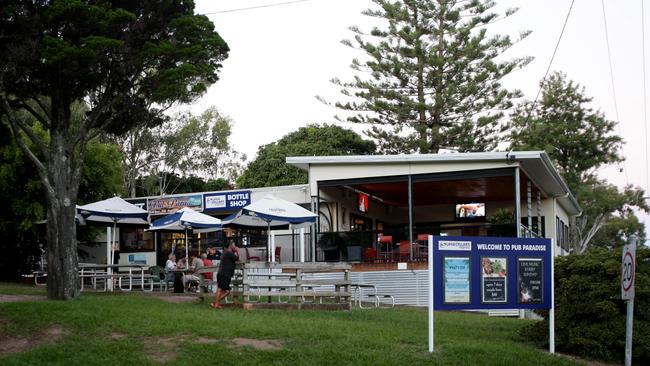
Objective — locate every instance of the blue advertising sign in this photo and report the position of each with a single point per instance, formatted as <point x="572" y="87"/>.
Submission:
<point x="226" y="201"/>
<point x="472" y="273"/>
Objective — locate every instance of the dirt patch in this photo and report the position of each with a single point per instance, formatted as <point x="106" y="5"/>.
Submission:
<point x="585" y="362"/>
<point x="260" y="344"/>
<point x="206" y="340"/>
<point x="116" y="336"/>
<point x="161" y="349"/>
<point x="14" y="298"/>
<point x="50" y="335"/>
<point x="178" y="299"/>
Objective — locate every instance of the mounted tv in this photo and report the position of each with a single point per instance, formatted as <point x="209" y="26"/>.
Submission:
<point x="470" y="211"/>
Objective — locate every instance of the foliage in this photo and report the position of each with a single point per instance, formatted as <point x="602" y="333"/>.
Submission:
<point x="432" y="76"/>
<point x="580" y="141"/>
<point x="589" y="312"/>
<point x="270" y="169"/>
<point x="131" y="329"/>
<point x="21" y="188"/>
<point x="127" y="61"/>
<point x="148" y="186"/>
<point x="193" y="147"/>
<point x="577" y="138"/>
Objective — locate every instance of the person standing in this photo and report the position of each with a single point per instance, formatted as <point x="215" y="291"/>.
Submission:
<point x="226" y="270"/>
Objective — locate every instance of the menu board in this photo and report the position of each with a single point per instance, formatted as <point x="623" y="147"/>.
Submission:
<point x="456" y="280"/>
<point x="530" y="279"/>
<point x="494" y="272"/>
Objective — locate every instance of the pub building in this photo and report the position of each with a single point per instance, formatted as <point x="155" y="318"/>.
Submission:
<point x="376" y="211"/>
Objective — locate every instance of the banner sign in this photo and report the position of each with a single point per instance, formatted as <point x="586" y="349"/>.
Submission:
<point x="472" y="273"/>
<point x="167" y="205"/>
<point x="226" y="201"/>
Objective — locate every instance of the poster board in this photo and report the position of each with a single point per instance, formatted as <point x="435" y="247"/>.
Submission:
<point x="483" y="273"/>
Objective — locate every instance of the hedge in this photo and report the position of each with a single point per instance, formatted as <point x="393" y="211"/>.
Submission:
<point x="589" y="312"/>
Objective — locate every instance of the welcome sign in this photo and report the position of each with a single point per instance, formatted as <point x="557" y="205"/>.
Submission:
<point x="472" y="273"/>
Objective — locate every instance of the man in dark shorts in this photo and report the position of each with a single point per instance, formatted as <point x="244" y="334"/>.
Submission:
<point x="229" y="258"/>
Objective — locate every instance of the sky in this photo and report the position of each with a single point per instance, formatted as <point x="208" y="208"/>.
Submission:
<point x="282" y="57"/>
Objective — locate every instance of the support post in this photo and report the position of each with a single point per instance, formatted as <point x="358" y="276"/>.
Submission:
<point x="302" y="244"/>
<point x="430" y="250"/>
<point x="410" y="202"/>
<point x="272" y="251"/>
<point x="314" y="229"/>
<point x="529" y="206"/>
<point x="551" y="313"/>
<point x="517" y="204"/>
<point x="539" y="214"/>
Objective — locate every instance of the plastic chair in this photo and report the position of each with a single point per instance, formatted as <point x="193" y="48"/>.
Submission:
<point x="278" y="256"/>
<point x="369" y="255"/>
<point x="250" y="257"/>
<point x="159" y="277"/>
<point x="404" y="250"/>
<point x="387" y="241"/>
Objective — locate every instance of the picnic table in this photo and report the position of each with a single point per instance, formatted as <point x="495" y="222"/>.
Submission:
<point x="99" y="272"/>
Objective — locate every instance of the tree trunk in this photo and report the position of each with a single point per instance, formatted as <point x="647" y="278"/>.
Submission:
<point x="63" y="276"/>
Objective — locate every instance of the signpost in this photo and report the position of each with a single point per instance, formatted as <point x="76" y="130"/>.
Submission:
<point x="485" y="273"/>
<point x="628" y="271"/>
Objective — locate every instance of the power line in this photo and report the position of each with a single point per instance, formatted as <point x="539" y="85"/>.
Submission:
<point x="611" y="76"/>
<point x="255" y="7"/>
<point x="645" y="103"/>
<point x="557" y="45"/>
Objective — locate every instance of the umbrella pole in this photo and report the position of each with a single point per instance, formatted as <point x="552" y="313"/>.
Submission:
<point x="268" y="241"/>
<point x="187" y="251"/>
<point x="114" y="234"/>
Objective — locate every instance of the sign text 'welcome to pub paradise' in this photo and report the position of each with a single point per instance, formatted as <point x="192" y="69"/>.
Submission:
<point x="491" y="273"/>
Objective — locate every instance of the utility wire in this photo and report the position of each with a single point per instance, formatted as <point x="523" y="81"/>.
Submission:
<point x="255" y="7"/>
<point x="557" y="45"/>
<point x="645" y="102"/>
<point x="611" y="77"/>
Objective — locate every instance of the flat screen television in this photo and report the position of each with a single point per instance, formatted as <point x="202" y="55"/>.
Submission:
<point x="470" y="210"/>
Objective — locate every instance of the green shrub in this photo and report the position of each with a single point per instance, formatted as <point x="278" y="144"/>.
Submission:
<point x="589" y="312"/>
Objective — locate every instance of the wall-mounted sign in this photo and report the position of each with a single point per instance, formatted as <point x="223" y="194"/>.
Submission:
<point x="456" y="280"/>
<point x="494" y="273"/>
<point x="166" y="205"/>
<point x="137" y="259"/>
<point x="227" y="201"/>
<point x="472" y="273"/>
<point x="363" y="202"/>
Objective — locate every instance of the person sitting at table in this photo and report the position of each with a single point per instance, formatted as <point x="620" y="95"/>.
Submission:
<point x="192" y="280"/>
<point x="170" y="266"/>
<point x="226" y="271"/>
<point x="213" y="254"/>
<point x="182" y="263"/>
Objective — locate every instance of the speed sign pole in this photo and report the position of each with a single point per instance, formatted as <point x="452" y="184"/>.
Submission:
<point x="627" y="293"/>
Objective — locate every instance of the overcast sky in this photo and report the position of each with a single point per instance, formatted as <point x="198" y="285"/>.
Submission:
<point x="283" y="56"/>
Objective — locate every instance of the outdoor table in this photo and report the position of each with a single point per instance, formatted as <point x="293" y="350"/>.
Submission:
<point x="97" y="273"/>
<point x="179" y="275"/>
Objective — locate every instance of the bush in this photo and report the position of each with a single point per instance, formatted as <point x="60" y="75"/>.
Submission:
<point x="589" y="312"/>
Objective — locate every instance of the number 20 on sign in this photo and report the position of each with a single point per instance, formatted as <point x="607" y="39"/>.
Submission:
<point x="627" y="272"/>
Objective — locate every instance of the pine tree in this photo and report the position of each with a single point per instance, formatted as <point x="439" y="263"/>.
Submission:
<point x="433" y="81"/>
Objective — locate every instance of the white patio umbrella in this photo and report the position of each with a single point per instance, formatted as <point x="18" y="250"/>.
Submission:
<point x="272" y="212"/>
<point x="116" y="211"/>
<point x="186" y="220"/>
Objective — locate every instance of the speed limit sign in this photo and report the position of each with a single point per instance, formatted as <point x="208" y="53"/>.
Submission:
<point x="628" y="271"/>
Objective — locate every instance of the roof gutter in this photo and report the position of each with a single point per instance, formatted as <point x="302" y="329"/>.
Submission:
<point x="567" y="192"/>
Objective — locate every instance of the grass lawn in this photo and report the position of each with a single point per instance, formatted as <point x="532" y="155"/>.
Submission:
<point x="132" y="329"/>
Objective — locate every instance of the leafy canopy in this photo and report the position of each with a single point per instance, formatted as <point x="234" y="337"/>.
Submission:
<point x="431" y="78"/>
<point x="270" y="169"/>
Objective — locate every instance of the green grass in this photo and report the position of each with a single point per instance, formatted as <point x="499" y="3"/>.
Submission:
<point x="364" y="337"/>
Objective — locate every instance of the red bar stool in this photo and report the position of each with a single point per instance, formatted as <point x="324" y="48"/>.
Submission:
<point x="386" y="246"/>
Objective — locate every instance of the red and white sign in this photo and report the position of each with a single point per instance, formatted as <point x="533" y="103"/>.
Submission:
<point x="628" y="263"/>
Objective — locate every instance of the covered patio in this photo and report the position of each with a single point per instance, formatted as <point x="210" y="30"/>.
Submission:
<point x="380" y="209"/>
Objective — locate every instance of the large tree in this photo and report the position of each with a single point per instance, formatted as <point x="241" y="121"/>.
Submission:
<point x="270" y="169"/>
<point x="184" y="145"/>
<point x="126" y="60"/>
<point x="581" y="141"/>
<point x="432" y="78"/>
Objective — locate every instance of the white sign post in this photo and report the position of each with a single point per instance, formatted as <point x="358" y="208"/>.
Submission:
<point x="430" y="250"/>
<point x="627" y="293"/>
